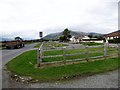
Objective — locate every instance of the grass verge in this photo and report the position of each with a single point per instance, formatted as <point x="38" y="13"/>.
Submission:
<point x="37" y="46"/>
<point x="92" y="43"/>
<point x="24" y="65"/>
<point x="50" y="45"/>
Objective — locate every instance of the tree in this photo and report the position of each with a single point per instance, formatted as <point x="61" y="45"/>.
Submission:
<point x="61" y="38"/>
<point x="69" y="36"/>
<point x="90" y="36"/>
<point x="65" y="35"/>
<point x="100" y="37"/>
<point x="18" y="38"/>
<point x="66" y="32"/>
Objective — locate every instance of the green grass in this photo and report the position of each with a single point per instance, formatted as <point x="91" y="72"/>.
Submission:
<point x="91" y="43"/>
<point x="2" y="47"/>
<point x="21" y="66"/>
<point x="55" y="44"/>
<point x="50" y="45"/>
<point x="91" y="50"/>
<point x="37" y="46"/>
<point x="72" y="51"/>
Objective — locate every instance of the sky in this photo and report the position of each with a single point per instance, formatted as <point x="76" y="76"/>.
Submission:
<point x="26" y="18"/>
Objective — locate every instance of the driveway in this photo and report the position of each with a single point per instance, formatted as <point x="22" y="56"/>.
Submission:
<point x="104" y="80"/>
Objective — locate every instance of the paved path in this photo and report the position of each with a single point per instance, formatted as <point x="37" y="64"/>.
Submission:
<point x="7" y="55"/>
<point x="105" y="80"/>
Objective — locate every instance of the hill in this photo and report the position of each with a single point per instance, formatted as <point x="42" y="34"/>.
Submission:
<point x="5" y="39"/>
<point x="54" y="36"/>
<point x="57" y="35"/>
<point x="94" y="34"/>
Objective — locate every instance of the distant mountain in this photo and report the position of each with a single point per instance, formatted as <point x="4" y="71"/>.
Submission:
<point x="77" y="33"/>
<point x="57" y="35"/>
<point x="73" y="33"/>
<point x="53" y="36"/>
<point x="5" y="39"/>
<point x="94" y="34"/>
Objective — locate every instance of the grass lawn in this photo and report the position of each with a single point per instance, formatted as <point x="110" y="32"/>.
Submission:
<point x="2" y="47"/>
<point x="50" y="45"/>
<point x="37" y="46"/>
<point x="91" y="43"/>
<point x="91" y="50"/>
<point x="24" y="68"/>
<point x="24" y="65"/>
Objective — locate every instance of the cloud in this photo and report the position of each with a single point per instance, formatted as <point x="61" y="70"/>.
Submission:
<point x="27" y="17"/>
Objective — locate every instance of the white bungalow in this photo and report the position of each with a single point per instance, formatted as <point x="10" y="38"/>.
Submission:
<point x="75" y="39"/>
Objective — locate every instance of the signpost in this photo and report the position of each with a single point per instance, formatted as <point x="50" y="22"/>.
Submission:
<point x="40" y="50"/>
<point x="40" y="34"/>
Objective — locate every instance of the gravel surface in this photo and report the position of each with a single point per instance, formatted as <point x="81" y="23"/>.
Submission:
<point x="103" y="80"/>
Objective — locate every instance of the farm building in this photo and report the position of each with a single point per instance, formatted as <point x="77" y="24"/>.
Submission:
<point x="85" y="38"/>
<point x="88" y="39"/>
<point x="75" y="39"/>
<point x="113" y="35"/>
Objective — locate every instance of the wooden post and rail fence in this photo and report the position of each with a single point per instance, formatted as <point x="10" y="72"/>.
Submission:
<point x="64" y="55"/>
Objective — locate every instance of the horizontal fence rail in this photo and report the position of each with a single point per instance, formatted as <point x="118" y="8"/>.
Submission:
<point x="75" y="54"/>
<point x="67" y="56"/>
<point x="52" y="56"/>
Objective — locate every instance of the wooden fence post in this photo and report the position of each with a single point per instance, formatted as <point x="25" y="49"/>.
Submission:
<point x="39" y="57"/>
<point x="64" y="55"/>
<point x="119" y="51"/>
<point x="87" y="53"/>
<point x="38" y="61"/>
<point x="105" y="50"/>
<point x="39" y="54"/>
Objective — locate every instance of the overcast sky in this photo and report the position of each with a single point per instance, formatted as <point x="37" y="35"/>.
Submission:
<point x="25" y="18"/>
